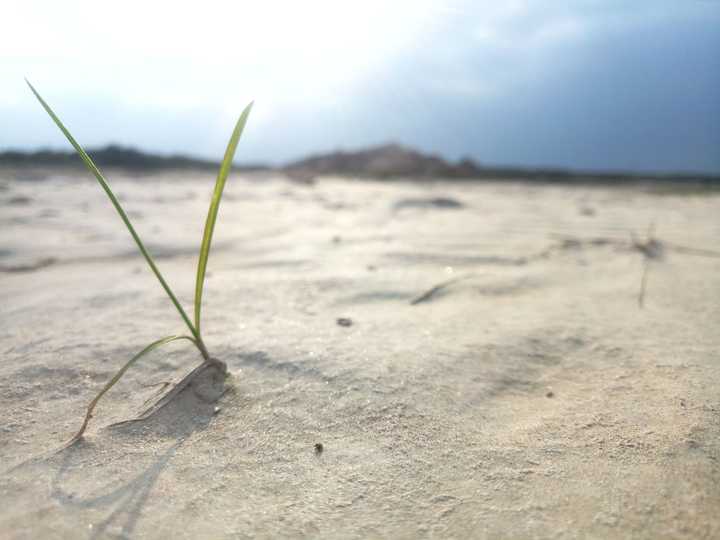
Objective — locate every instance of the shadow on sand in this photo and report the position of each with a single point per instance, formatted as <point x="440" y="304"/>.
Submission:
<point x="123" y="501"/>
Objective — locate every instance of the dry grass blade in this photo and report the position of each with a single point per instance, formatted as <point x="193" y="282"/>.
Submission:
<point x="693" y="251"/>
<point x="430" y="293"/>
<point x="225" y="167"/>
<point x="116" y="378"/>
<point x="643" y="283"/>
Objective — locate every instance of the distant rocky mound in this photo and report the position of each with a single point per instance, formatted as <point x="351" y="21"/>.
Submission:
<point x="397" y="161"/>
<point x="390" y="160"/>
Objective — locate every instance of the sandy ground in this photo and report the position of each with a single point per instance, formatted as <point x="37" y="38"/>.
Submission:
<point x="530" y="398"/>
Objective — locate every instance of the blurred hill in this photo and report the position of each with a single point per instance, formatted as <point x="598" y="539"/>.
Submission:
<point x="385" y="162"/>
<point x="397" y="161"/>
<point x="111" y="156"/>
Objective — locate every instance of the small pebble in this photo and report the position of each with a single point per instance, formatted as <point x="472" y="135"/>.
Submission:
<point x="216" y="410"/>
<point x="319" y="448"/>
<point x="550" y="394"/>
<point x="342" y="321"/>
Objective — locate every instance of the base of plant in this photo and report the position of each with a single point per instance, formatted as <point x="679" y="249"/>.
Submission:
<point x="186" y="383"/>
<point x="193" y="381"/>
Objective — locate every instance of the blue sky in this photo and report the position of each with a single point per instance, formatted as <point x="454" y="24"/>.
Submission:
<point x="588" y="84"/>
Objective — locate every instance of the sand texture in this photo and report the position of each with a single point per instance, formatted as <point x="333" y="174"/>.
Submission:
<point x="493" y="375"/>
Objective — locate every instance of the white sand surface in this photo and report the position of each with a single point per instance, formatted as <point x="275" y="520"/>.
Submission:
<point x="529" y="398"/>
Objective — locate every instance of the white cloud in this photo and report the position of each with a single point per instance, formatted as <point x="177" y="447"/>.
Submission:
<point x="166" y="53"/>
<point x="171" y="76"/>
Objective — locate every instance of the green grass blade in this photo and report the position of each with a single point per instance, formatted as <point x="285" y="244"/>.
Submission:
<point x="119" y="374"/>
<point x="225" y="167"/>
<point x="103" y="183"/>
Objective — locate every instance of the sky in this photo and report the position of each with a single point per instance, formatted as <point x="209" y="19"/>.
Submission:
<point x="601" y="85"/>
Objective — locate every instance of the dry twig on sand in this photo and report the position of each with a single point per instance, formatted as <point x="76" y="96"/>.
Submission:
<point x="651" y="248"/>
<point x="427" y="295"/>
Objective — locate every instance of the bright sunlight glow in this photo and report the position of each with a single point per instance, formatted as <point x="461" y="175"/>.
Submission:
<point x="152" y="53"/>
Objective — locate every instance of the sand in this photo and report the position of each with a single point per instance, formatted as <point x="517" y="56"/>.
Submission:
<point x="529" y="397"/>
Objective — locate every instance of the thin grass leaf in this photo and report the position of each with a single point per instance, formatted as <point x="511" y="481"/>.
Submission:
<point x="225" y="167"/>
<point x="117" y="377"/>
<point x="103" y="183"/>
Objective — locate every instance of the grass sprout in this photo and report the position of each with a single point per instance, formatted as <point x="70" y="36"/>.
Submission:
<point x="194" y="327"/>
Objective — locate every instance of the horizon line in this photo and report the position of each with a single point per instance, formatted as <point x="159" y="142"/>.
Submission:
<point x="188" y="160"/>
